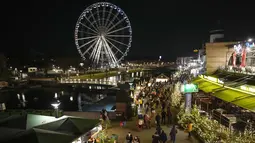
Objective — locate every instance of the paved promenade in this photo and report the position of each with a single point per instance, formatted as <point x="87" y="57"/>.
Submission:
<point x="145" y="135"/>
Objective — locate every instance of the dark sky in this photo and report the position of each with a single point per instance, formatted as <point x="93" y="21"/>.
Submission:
<point x="161" y="27"/>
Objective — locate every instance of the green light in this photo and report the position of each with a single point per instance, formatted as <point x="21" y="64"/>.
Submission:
<point x="189" y="88"/>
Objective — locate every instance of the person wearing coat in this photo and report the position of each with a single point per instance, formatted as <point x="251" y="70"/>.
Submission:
<point x="129" y="138"/>
<point x="173" y="133"/>
<point x="163" y="137"/>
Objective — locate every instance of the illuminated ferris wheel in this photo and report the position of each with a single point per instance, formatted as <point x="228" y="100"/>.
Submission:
<point x="103" y="34"/>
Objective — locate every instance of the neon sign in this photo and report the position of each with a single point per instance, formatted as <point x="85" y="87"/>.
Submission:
<point x="213" y="79"/>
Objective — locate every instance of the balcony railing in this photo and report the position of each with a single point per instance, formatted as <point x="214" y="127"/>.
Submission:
<point x="242" y="70"/>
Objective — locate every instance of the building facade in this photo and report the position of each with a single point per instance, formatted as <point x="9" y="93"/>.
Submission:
<point x="217" y="55"/>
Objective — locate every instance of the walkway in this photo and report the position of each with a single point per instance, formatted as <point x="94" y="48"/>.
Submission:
<point x="89" y="81"/>
<point x="146" y="134"/>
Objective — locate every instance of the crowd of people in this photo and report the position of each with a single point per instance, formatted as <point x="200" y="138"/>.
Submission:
<point x="154" y="109"/>
<point x="153" y="104"/>
<point x="131" y="139"/>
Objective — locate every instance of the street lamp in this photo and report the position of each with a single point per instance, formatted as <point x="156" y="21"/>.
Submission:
<point x="249" y="40"/>
<point x="55" y="106"/>
<point x="82" y="64"/>
<point x="68" y="72"/>
<point x="159" y="58"/>
<point x="71" y="98"/>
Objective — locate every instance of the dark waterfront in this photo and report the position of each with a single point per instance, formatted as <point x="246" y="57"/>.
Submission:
<point x="81" y="97"/>
<point x="41" y="98"/>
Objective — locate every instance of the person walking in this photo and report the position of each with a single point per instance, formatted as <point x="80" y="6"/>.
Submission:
<point x="163" y="117"/>
<point x="136" y="140"/>
<point x="163" y="104"/>
<point x="173" y="133"/>
<point x="158" y="130"/>
<point x="189" y="128"/>
<point x="157" y="118"/>
<point x="169" y="115"/>
<point x="147" y="121"/>
<point x="124" y="120"/>
<point x="129" y="138"/>
<point x="163" y="136"/>
<point x="155" y="138"/>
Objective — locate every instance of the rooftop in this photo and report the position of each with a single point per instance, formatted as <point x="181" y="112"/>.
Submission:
<point x="228" y="77"/>
<point x="227" y="90"/>
<point x="43" y="129"/>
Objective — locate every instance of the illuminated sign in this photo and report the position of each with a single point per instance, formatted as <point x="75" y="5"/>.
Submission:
<point x="189" y="88"/>
<point x="247" y="88"/>
<point x="250" y="45"/>
<point x="213" y="79"/>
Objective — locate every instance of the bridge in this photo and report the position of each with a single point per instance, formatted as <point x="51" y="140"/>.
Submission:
<point x="88" y="81"/>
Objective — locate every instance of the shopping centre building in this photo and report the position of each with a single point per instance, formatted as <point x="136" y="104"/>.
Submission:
<point x="228" y="87"/>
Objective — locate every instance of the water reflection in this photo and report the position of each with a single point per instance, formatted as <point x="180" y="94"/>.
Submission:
<point x="71" y="98"/>
<point x="123" y="77"/>
<point x="23" y="97"/>
<point x="18" y="96"/>
<point x="56" y="96"/>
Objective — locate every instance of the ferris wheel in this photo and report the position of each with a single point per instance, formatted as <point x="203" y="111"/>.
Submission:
<point x="103" y="34"/>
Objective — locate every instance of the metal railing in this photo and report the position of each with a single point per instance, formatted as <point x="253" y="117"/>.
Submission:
<point x="89" y="81"/>
<point x="242" y="70"/>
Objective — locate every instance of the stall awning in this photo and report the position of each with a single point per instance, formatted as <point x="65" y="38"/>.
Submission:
<point x="206" y="86"/>
<point x="238" y="98"/>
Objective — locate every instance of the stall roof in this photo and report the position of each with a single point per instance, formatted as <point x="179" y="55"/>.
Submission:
<point x="61" y="130"/>
<point x="70" y="125"/>
<point x="7" y="133"/>
<point x="25" y="122"/>
<point x="162" y="76"/>
<point x="238" y="98"/>
<point x="206" y="86"/>
<point x="41" y="136"/>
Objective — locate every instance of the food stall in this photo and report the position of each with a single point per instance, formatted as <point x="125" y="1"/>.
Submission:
<point x="90" y="134"/>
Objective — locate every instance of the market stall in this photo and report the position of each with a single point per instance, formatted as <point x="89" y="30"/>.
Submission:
<point x="162" y="78"/>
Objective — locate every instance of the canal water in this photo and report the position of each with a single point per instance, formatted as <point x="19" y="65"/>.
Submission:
<point x="94" y="98"/>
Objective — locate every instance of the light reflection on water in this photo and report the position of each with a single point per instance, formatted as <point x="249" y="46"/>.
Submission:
<point x="72" y="99"/>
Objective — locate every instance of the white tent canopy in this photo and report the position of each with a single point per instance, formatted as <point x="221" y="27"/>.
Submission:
<point x="162" y="78"/>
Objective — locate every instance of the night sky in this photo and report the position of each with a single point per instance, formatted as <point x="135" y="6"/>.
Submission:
<point x="161" y="27"/>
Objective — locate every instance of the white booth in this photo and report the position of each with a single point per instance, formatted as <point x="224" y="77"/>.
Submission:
<point x="162" y="78"/>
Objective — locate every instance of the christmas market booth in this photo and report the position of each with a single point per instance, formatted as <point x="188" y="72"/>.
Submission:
<point x="162" y="78"/>
<point x="41" y="129"/>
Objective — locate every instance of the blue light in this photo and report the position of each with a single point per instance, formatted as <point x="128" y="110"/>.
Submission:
<point x="249" y="45"/>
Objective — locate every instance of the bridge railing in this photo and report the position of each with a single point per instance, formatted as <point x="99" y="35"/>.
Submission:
<point x="248" y="70"/>
<point x="90" y="81"/>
